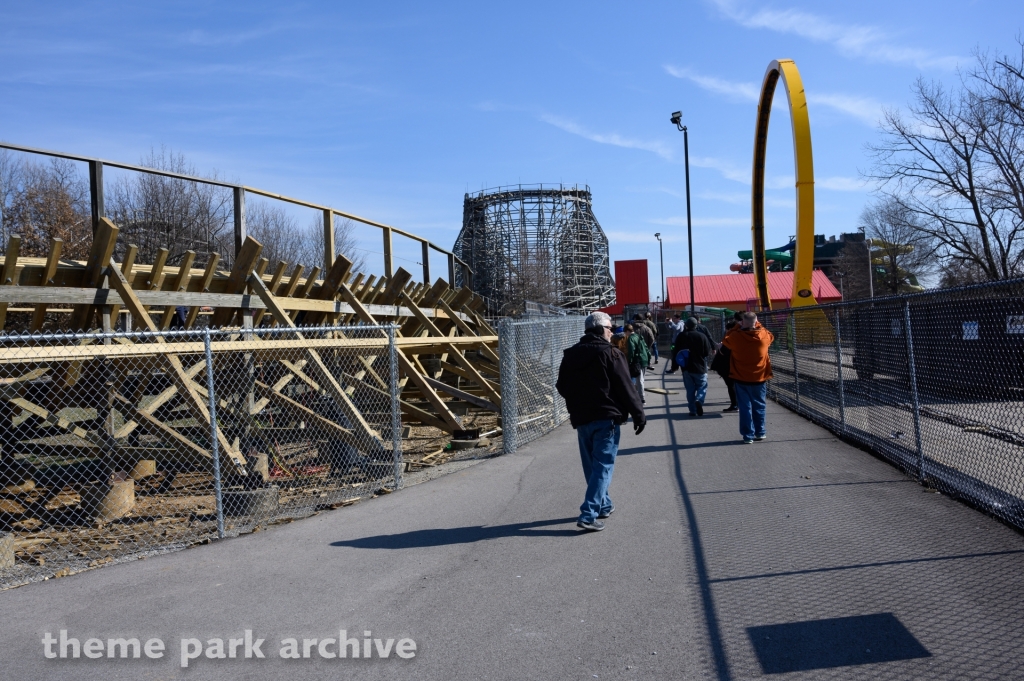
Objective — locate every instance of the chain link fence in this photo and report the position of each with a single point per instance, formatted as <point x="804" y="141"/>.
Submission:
<point x="531" y="352"/>
<point x="120" y="445"/>
<point x="933" y="382"/>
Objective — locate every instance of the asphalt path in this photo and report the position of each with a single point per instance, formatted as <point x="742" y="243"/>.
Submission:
<point x="797" y="557"/>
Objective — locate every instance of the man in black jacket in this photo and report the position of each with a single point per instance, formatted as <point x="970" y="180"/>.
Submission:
<point x="599" y="394"/>
<point x="695" y="372"/>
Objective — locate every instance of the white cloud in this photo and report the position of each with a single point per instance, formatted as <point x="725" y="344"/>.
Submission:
<point x="866" y="109"/>
<point x="702" y="222"/>
<point x="840" y="184"/>
<point x="744" y="91"/>
<point x="744" y="198"/>
<point x="614" y="139"/>
<point x="851" y="40"/>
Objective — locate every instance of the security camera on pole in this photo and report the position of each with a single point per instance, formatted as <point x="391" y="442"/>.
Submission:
<point x="677" y="120"/>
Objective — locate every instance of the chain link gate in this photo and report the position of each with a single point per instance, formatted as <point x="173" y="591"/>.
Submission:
<point x="120" y="445"/>
<point x="933" y="382"/>
<point x="531" y="352"/>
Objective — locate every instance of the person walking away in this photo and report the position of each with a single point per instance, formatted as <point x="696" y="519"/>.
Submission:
<point x="720" y="365"/>
<point x="644" y="332"/>
<point x="637" y="357"/>
<point x="695" y="373"/>
<point x="599" y="395"/>
<point x="751" y="369"/>
<point x="649" y="323"/>
<point x="675" y="328"/>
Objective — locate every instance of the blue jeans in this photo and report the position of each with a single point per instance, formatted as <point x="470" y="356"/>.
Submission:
<point x="696" y="389"/>
<point x="654" y="349"/>
<point x="599" y="443"/>
<point x="751" y="400"/>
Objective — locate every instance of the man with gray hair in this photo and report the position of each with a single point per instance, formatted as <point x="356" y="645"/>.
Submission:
<point x="594" y="380"/>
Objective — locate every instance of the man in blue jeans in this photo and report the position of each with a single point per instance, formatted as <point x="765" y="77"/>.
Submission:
<point x="594" y="380"/>
<point x="695" y="372"/>
<point x="750" y="367"/>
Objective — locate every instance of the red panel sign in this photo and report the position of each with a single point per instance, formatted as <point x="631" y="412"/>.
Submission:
<point x="631" y="282"/>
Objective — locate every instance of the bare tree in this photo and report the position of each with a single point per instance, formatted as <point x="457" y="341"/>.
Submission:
<point x="47" y="201"/>
<point x="344" y="242"/>
<point x="955" y="163"/>
<point x="10" y="182"/>
<point x="164" y="212"/>
<point x="901" y="249"/>
<point x="278" y="231"/>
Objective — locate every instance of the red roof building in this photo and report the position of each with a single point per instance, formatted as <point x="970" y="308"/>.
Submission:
<point x="736" y="291"/>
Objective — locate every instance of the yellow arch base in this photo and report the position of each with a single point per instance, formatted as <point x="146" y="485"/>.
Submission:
<point x="803" y="257"/>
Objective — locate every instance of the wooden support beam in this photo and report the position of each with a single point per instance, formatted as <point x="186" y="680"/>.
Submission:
<point x="181" y="283"/>
<point x="39" y="315"/>
<point x="406" y="365"/>
<point x="193" y="401"/>
<point x="329" y="287"/>
<point x="370" y="437"/>
<point x="244" y="263"/>
<point x="329" y="247"/>
<point x="275" y="281"/>
<point x="204" y="286"/>
<point x="103" y="243"/>
<point x="389" y="263"/>
<point x="126" y="269"/>
<point x="10" y="271"/>
<point x="288" y="403"/>
<point x="463" y="395"/>
<point x="396" y="286"/>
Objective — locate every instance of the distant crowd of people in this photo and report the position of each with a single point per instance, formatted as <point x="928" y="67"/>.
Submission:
<point x="602" y="381"/>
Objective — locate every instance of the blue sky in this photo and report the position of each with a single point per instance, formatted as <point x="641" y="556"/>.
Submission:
<point x="394" y="110"/>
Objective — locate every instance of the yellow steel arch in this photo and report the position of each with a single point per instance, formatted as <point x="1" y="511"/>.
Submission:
<point x="803" y="257"/>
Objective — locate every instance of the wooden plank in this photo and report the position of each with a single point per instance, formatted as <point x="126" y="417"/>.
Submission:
<point x="193" y="400"/>
<point x="395" y="288"/>
<point x="180" y="285"/>
<point x="421" y="415"/>
<point x="288" y="403"/>
<point x="329" y="288"/>
<point x="275" y="281"/>
<point x="462" y="395"/>
<point x="10" y="268"/>
<point x="359" y="424"/>
<point x="304" y="290"/>
<point x="103" y="243"/>
<point x="155" y="426"/>
<point x="406" y="366"/>
<point x="39" y="315"/>
<point x="51" y="418"/>
<point x="204" y="287"/>
<point x="462" y="326"/>
<point x="238" y="278"/>
<point x="126" y="268"/>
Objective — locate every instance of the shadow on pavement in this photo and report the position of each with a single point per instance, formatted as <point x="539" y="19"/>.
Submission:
<point x="459" y="535"/>
<point x="836" y="642"/>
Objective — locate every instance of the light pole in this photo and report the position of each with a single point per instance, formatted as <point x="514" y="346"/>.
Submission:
<point x="661" y="256"/>
<point x="677" y="119"/>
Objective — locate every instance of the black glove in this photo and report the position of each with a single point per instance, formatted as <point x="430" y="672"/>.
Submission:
<point x="639" y="424"/>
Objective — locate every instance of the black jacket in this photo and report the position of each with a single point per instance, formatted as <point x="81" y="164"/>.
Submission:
<point x="700" y="350"/>
<point x="594" y="380"/>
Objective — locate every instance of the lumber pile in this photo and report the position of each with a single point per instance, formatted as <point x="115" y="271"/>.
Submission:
<point x="294" y="406"/>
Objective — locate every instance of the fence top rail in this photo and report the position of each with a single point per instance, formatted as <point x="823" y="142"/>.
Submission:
<point x="7" y="339"/>
<point x="932" y="293"/>
<point x="229" y="185"/>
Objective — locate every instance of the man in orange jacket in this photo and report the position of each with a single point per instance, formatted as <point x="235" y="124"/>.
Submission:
<point x="750" y="368"/>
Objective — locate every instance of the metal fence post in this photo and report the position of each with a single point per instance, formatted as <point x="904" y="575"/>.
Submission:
<point x="507" y="357"/>
<point x="839" y="375"/>
<point x="796" y="372"/>
<point x="913" y="391"/>
<point x="396" y="416"/>
<point x="214" y="444"/>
